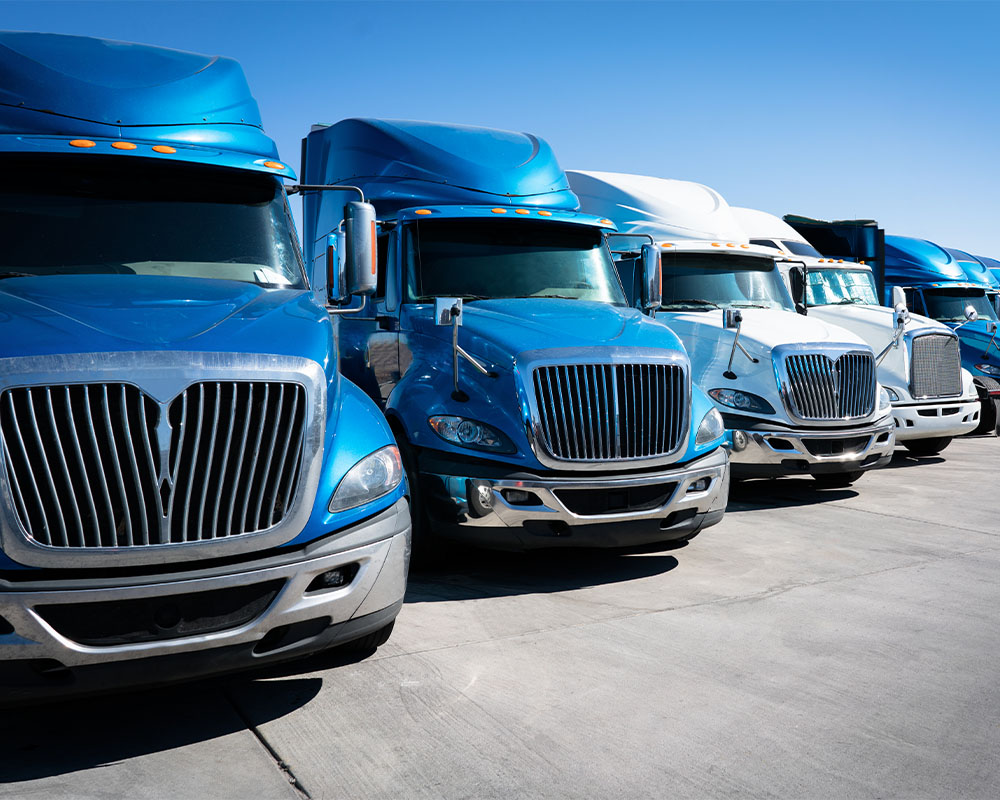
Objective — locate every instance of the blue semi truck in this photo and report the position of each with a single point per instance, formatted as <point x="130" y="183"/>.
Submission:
<point x="187" y="483"/>
<point x="533" y="407"/>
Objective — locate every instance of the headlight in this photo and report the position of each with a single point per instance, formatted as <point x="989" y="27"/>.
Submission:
<point x="893" y="394"/>
<point x="744" y="401"/>
<point x="470" y="433"/>
<point x="883" y="399"/>
<point x="989" y="369"/>
<point x="711" y="428"/>
<point x="371" y="478"/>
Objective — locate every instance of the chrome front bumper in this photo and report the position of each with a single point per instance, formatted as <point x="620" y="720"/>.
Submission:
<point x="936" y="418"/>
<point x="536" y="512"/>
<point x="329" y="616"/>
<point x="770" y="453"/>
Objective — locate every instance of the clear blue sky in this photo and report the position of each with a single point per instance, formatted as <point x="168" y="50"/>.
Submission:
<point x="883" y="110"/>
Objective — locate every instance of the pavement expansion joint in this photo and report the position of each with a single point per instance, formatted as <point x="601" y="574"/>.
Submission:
<point x="283" y="766"/>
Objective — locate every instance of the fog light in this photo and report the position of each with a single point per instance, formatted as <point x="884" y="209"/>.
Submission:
<point x="519" y="497"/>
<point x="333" y="578"/>
<point x="700" y="485"/>
<point x="740" y="441"/>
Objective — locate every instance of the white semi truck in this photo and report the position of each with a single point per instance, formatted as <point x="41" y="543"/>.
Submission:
<point x="918" y="359"/>
<point x="798" y="395"/>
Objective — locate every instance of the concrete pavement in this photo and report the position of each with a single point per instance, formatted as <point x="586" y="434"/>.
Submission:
<point x="836" y="643"/>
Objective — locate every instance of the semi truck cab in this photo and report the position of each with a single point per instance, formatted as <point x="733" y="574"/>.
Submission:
<point x="534" y="407"/>
<point x="187" y="483"/>
<point x="799" y="396"/>
<point x="933" y="398"/>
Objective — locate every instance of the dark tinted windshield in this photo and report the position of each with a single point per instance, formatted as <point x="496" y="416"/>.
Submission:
<point x="948" y="305"/>
<point x="697" y="282"/>
<point x="94" y="214"/>
<point x="801" y="248"/>
<point x="841" y="287"/>
<point x="486" y="258"/>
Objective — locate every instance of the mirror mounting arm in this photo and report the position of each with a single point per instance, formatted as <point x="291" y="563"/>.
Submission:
<point x="298" y="188"/>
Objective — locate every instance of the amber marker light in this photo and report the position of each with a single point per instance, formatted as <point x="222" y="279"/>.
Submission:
<point x="666" y="244"/>
<point x="745" y="246"/>
<point x="274" y="165"/>
<point x="164" y="148"/>
<point x="422" y="211"/>
<point x="716" y="244"/>
<point x="82" y="143"/>
<point x="499" y="210"/>
<point x="521" y="211"/>
<point x="730" y="244"/>
<point x="123" y="145"/>
<point x="545" y="213"/>
<point x="606" y="222"/>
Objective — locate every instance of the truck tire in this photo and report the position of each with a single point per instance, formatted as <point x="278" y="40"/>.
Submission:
<point x="837" y="480"/>
<point x="989" y="406"/>
<point x="927" y="447"/>
<point x="372" y="641"/>
<point x="426" y="547"/>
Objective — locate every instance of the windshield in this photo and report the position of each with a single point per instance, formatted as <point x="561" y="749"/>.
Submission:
<point x="830" y="287"/>
<point x="701" y="282"/>
<point x="490" y="258"/>
<point x="948" y="305"/>
<point x="72" y="215"/>
<point x="801" y="248"/>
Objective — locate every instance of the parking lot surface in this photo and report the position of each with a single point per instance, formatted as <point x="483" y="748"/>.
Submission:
<point x="839" y="643"/>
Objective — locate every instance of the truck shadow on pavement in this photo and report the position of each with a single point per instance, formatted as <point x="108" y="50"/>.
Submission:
<point x="753" y="495"/>
<point x="468" y="574"/>
<point x="80" y="734"/>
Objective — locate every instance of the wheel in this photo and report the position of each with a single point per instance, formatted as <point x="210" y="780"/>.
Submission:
<point x="837" y="480"/>
<point x="927" y="447"/>
<point x="989" y="407"/>
<point x="426" y="547"/>
<point x="372" y="641"/>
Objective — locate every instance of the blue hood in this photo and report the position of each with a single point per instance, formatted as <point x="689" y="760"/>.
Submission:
<point x="102" y="313"/>
<point x="973" y="340"/>
<point x="498" y="330"/>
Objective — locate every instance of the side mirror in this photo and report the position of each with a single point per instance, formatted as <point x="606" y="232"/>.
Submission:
<point x="732" y="317"/>
<point x="652" y="277"/>
<point x="797" y="283"/>
<point x="971" y="315"/>
<point x="336" y="268"/>
<point x="898" y="297"/>
<point x="362" y="265"/>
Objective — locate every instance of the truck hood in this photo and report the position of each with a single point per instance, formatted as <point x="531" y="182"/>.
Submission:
<point x="974" y="340"/>
<point x="874" y="324"/>
<point x="762" y="329"/>
<point x="101" y="313"/>
<point x="498" y="330"/>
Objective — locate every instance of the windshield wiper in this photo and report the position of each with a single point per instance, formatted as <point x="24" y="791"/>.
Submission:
<point x="692" y="302"/>
<point x="18" y="275"/>
<point x="747" y="305"/>
<point x="532" y="296"/>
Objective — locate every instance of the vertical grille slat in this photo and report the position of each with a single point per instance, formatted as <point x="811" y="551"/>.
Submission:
<point x="83" y="461"/>
<point x="823" y="388"/>
<point x="595" y="412"/>
<point x="935" y="366"/>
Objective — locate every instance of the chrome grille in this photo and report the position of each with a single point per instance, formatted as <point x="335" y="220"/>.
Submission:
<point x="935" y="366"/>
<point x="602" y="412"/>
<point x="105" y="465"/>
<point x="823" y="388"/>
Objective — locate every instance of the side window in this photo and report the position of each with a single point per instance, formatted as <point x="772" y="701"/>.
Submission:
<point x="391" y="274"/>
<point x="915" y="301"/>
<point x="764" y="243"/>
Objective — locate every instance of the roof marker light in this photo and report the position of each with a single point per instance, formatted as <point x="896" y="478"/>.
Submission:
<point x="544" y="213"/>
<point x="499" y="210"/>
<point x="521" y="211"/>
<point x="840" y="261"/>
<point x="745" y="246"/>
<point x="274" y="165"/>
<point x="164" y="148"/>
<point x="666" y="244"/>
<point x="730" y="244"/>
<point x="82" y="143"/>
<point x="606" y="222"/>
<point x="861" y="262"/>
<point x="716" y="244"/>
<point x="123" y="145"/>
<point x="422" y="211"/>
